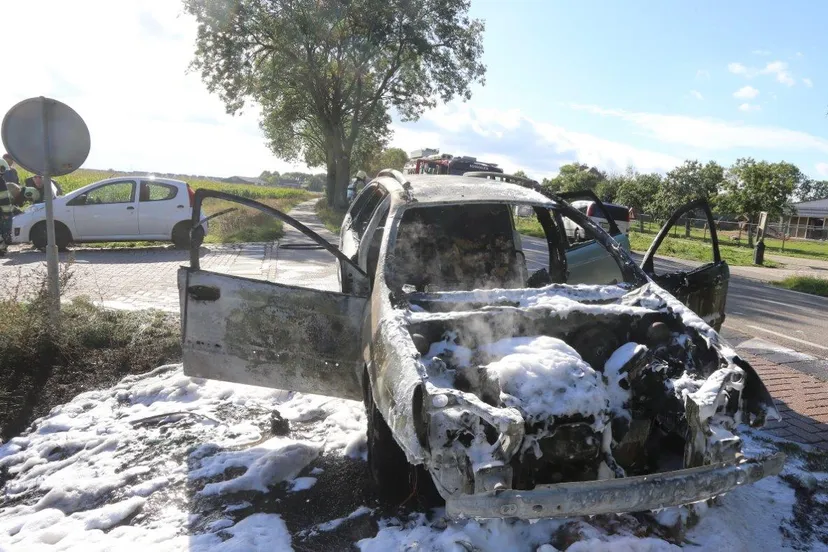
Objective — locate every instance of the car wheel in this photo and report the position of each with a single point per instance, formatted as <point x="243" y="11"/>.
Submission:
<point x="38" y="236"/>
<point x="395" y="479"/>
<point x="181" y="235"/>
<point x="63" y="237"/>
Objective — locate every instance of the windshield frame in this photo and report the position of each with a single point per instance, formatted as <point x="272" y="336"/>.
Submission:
<point x="634" y="276"/>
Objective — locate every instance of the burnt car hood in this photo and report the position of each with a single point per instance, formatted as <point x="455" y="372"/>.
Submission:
<point x="523" y="390"/>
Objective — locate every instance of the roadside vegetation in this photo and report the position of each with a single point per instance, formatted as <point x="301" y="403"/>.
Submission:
<point x="330" y="216"/>
<point x="92" y="349"/>
<point x="733" y="238"/>
<point x="805" y="284"/>
<point x="696" y="249"/>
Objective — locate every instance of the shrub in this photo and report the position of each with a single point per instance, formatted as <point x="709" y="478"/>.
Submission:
<point x="92" y="347"/>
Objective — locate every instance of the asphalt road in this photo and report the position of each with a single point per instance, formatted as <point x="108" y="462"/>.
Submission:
<point x="755" y="311"/>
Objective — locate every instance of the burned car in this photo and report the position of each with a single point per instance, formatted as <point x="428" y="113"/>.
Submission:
<point x="519" y="376"/>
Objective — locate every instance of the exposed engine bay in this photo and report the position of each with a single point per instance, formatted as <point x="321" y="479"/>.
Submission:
<point x="572" y="384"/>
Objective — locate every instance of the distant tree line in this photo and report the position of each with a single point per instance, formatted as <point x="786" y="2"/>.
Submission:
<point x="744" y="189"/>
<point x="307" y="181"/>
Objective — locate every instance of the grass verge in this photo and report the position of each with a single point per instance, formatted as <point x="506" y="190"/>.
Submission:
<point x="696" y="250"/>
<point x="93" y="348"/>
<point x="805" y="284"/>
<point x="808" y="249"/>
<point x="330" y="217"/>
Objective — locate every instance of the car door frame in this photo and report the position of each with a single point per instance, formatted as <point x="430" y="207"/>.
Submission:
<point x="702" y="288"/>
<point x="105" y="237"/>
<point x="256" y="332"/>
<point x="580" y="256"/>
<point x="171" y="214"/>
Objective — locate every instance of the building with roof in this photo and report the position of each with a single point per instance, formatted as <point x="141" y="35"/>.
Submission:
<point x="809" y="222"/>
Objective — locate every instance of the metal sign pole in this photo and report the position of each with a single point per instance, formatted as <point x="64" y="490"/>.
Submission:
<point x="52" y="270"/>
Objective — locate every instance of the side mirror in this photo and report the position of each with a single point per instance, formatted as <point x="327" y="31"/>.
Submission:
<point x="80" y="200"/>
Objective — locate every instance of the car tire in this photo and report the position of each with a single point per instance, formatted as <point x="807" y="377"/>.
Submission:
<point x="181" y="235"/>
<point x="38" y="236"/>
<point x="395" y="480"/>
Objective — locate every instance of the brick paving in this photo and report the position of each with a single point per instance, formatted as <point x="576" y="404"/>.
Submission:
<point x="132" y="278"/>
<point x="802" y="401"/>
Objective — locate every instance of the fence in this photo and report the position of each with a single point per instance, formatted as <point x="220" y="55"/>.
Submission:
<point x="734" y="231"/>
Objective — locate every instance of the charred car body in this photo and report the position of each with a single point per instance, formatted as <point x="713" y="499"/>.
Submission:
<point x="520" y="394"/>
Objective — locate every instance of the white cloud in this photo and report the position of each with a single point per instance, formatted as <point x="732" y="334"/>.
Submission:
<point x="515" y="141"/>
<point x="750" y="107"/>
<point x="128" y="80"/>
<point x="808" y="82"/>
<point x="709" y="134"/>
<point x="822" y="169"/>
<point x="746" y="93"/>
<point x="738" y="69"/>
<point x="702" y="74"/>
<point x="761" y="52"/>
<point x="696" y="94"/>
<point x="778" y="69"/>
<point x="800" y="54"/>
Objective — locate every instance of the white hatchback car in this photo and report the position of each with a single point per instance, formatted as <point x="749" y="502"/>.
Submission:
<point x="142" y="208"/>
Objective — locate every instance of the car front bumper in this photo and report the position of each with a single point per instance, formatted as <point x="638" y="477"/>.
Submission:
<point x="608" y="496"/>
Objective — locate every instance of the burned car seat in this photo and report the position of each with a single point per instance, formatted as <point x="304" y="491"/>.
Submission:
<point x="458" y="247"/>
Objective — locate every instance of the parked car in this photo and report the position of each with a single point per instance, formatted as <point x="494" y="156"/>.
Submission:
<point x="141" y="208"/>
<point x="508" y="393"/>
<point x="619" y="213"/>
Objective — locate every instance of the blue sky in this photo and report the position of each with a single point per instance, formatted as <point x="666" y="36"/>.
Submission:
<point x="649" y="82"/>
<point x="604" y="83"/>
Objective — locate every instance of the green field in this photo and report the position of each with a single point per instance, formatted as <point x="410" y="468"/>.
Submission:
<point x="733" y="239"/>
<point x="696" y="249"/>
<point x="241" y="225"/>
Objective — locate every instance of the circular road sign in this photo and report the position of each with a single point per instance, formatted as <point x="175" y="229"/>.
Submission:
<point x="63" y="149"/>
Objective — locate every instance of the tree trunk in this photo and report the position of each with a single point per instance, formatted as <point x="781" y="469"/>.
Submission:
<point x="750" y="231"/>
<point x="343" y="176"/>
<point x="330" y="179"/>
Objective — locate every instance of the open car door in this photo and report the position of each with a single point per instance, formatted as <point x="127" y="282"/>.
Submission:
<point x="258" y="332"/>
<point x="703" y="289"/>
<point x="587" y="260"/>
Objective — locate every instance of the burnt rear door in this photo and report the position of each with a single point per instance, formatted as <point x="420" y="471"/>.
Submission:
<point x="258" y="332"/>
<point x="703" y="289"/>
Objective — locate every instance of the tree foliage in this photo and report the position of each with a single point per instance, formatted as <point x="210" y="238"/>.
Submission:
<point x="391" y="158"/>
<point x="574" y="177"/>
<point x="754" y="186"/>
<point x="687" y="182"/>
<point x="326" y="72"/>
<point x="811" y="190"/>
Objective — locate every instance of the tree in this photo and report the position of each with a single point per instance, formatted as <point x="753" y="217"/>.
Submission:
<point x="687" y="182"/>
<point x="521" y="173"/>
<point x="639" y="192"/>
<point x="391" y="158"/>
<point x="607" y="189"/>
<point x="574" y="177"/>
<point x="811" y="190"/>
<point x="752" y="187"/>
<point x="329" y="69"/>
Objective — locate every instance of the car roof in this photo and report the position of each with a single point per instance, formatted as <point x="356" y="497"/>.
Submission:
<point x="436" y="189"/>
